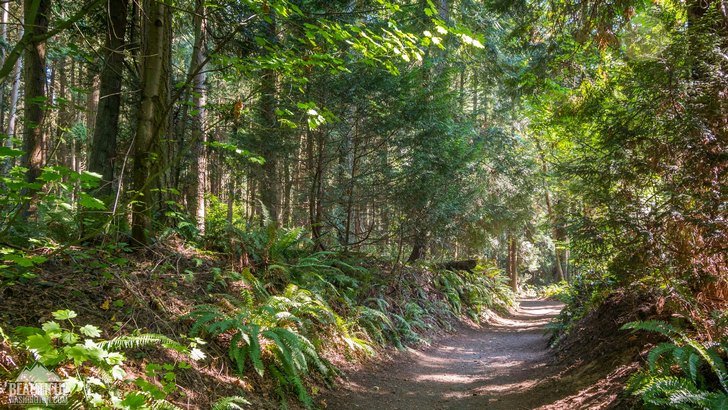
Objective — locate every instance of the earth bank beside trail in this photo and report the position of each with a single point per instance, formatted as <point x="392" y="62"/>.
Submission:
<point x="505" y="364"/>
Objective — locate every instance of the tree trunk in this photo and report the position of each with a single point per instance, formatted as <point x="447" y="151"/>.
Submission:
<point x="92" y="104"/>
<point x="317" y="168"/>
<point x="270" y="141"/>
<point x="287" y="187"/>
<point x="4" y="39"/>
<point x="230" y="200"/>
<point x="557" y="253"/>
<point x="13" y="109"/>
<point x="348" y="173"/>
<point x="475" y="96"/>
<point x="199" y="139"/>
<point x="551" y="215"/>
<point x="65" y="112"/>
<point x="106" y="127"/>
<point x="36" y="22"/>
<point x="151" y="122"/>
<point x="4" y="29"/>
<point x="513" y="256"/>
<point x="419" y="247"/>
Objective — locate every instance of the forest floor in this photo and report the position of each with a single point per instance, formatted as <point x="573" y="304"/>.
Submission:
<point x="505" y="364"/>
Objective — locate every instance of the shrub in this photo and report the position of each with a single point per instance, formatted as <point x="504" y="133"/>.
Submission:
<point x="682" y="373"/>
<point x="99" y="379"/>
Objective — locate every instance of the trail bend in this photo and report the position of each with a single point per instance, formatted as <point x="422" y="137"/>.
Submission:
<point x="496" y="366"/>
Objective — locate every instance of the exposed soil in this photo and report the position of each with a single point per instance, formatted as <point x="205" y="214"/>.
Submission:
<point x="503" y="365"/>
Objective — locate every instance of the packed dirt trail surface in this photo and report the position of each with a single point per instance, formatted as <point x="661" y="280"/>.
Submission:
<point x="497" y="366"/>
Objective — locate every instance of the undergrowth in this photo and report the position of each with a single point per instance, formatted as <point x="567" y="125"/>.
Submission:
<point x="95" y="367"/>
<point x="281" y="318"/>
<point x="683" y="373"/>
<point x="583" y="294"/>
<point x="293" y="305"/>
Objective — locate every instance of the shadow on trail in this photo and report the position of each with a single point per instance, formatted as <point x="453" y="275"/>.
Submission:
<point x="492" y="367"/>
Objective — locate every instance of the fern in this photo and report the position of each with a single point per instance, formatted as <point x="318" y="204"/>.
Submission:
<point x="287" y="356"/>
<point x="472" y="293"/>
<point x="159" y="404"/>
<point x="676" y="392"/>
<point x="292" y="351"/>
<point x="139" y="341"/>
<point x="230" y="403"/>
<point x="374" y="322"/>
<point x="656" y="326"/>
<point x="675" y="377"/>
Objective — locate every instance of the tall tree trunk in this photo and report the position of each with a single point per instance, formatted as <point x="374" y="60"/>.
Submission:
<point x="287" y="187"/>
<point x="36" y="25"/>
<point x="106" y="128"/>
<point x="461" y="90"/>
<point x="5" y="5"/>
<point x="552" y="219"/>
<point x="317" y="168"/>
<point x="199" y="139"/>
<point x="13" y="108"/>
<point x="4" y="38"/>
<point x="419" y="246"/>
<point x="93" y="98"/>
<point x="550" y="214"/>
<point x="65" y="113"/>
<point x="513" y="261"/>
<point x="230" y="200"/>
<point x="151" y="122"/>
<point x="270" y="141"/>
<point x="475" y="96"/>
<point x="346" y="180"/>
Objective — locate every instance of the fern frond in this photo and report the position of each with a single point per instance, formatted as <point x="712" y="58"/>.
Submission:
<point x="255" y="349"/>
<point x="163" y="405"/>
<point x="137" y="341"/>
<point x="659" y="391"/>
<point x="230" y="403"/>
<point x="657" y="326"/>
<point x="711" y="356"/>
<point x="157" y="404"/>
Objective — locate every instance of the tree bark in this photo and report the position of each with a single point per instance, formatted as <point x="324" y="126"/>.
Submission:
<point x="4" y="29"/>
<point x="36" y="25"/>
<point x="552" y="219"/>
<point x="551" y="215"/>
<point x="269" y="140"/>
<point x="316" y="168"/>
<point x="65" y="112"/>
<point x="419" y="246"/>
<point x="514" y="271"/>
<point x="13" y="109"/>
<point x="4" y="38"/>
<point x="151" y="122"/>
<point x="199" y="137"/>
<point x="102" y="158"/>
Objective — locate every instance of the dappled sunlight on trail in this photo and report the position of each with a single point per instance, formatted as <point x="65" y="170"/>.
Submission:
<point x="495" y="366"/>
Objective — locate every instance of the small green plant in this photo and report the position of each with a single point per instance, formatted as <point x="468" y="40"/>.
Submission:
<point x="230" y="403"/>
<point x="682" y="373"/>
<point x="472" y="293"/>
<point x="99" y="378"/>
<point x="376" y="324"/>
<point x="267" y="338"/>
<point x="560" y="291"/>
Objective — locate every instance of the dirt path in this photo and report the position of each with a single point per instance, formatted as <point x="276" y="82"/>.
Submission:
<point x="497" y="366"/>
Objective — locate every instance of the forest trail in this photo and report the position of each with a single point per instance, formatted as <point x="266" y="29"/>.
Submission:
<point x="497" y="366"/>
